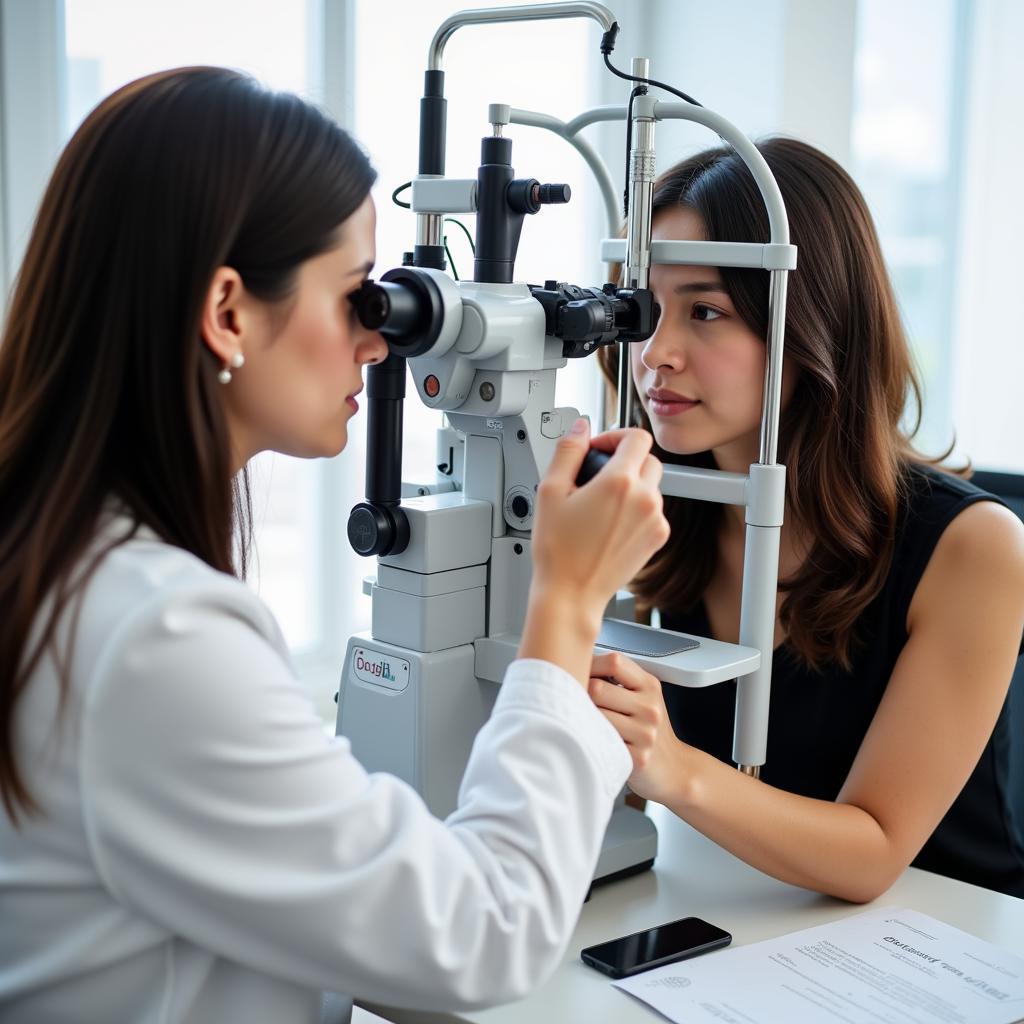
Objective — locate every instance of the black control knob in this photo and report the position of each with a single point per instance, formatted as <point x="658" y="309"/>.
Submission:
<point x="593" y="463"/>
<point x="520" y="507"/>
<point x="551" y="194"/>
<point x="377" y="530"/>
<point x="528" y="195"/>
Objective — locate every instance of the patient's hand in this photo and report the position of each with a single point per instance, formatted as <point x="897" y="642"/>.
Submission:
<point x="631" y="699"/>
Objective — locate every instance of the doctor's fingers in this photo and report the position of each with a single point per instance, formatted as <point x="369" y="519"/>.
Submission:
<point x="635" y="735"/>
<point x="609" y="440"/>
<point x="620" y="669"/>
<point x="611" y="697"/>
<point x="632" y="450"/>
<point x="645" y="710"/>
<point x="652" y="470"/>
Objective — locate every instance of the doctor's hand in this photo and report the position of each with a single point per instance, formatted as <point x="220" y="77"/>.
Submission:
<point x="589" y="541"/>
<point x="632" y="700"/>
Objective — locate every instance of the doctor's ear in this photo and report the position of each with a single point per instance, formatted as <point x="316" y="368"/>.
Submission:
<point x="227" y="316"/>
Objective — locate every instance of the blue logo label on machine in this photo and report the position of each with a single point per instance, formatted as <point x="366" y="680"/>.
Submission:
<point x="380" y="669"/>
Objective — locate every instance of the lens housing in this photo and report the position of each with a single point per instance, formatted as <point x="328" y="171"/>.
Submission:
<point x="586" y="318"/>
<point x="406" y="307"/>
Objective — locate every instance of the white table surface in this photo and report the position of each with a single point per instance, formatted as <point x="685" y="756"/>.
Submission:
<point x="694" y="877"/>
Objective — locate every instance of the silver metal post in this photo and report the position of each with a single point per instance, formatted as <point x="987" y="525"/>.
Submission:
<point x="761" y="553"/>
<point x="637" y="272"/>
<point x="428" y="229"/>
<point x="641" y="189"/>
<point x="772" y="401"/>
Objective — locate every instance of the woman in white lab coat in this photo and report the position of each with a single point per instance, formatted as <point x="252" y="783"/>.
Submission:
<point x="179" y="839"/>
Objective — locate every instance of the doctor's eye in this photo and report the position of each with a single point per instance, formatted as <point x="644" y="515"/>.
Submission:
<point x="354" y="299"/>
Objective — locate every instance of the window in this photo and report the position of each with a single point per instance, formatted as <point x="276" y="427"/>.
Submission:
<point x="909" y="84"/>
<point x="987" y="361"/>
<point x="936" y="84"/>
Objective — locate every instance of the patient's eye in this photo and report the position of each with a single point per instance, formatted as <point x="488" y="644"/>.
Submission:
<point x="702" y="312"/>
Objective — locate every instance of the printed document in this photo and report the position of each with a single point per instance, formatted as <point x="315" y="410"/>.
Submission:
<point x="884" y="966"/>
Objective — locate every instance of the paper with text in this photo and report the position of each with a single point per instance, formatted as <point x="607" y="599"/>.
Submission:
<point x="884" y="966"/>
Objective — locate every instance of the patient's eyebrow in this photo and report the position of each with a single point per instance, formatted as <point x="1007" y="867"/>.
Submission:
<point x="700" y="286"/>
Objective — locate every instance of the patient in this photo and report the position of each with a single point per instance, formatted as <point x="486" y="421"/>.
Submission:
<point x="901" y="594"/>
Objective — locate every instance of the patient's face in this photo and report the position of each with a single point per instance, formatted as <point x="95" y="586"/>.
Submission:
<point x="700" y="377"/>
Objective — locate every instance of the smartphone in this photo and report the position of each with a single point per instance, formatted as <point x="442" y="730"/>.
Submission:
<point x="655" y="947"/>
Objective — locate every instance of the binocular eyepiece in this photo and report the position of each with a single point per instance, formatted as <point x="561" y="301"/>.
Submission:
<point x="408" y="308"/>
<point x="405" y="306"/>
<point x="586" y="318"/>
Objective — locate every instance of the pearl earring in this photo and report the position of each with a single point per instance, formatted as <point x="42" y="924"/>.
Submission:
<point x="237" y="361"/>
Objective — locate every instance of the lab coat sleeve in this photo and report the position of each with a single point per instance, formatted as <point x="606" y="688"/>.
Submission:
<point x="216" y="806"/>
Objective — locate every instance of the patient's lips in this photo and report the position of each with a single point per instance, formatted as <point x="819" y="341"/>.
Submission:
<point x="669" y="403"/>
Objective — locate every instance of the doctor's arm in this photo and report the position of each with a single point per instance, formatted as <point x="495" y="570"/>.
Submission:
<point x="938" y="711"/>
<point x="217" y="808"/>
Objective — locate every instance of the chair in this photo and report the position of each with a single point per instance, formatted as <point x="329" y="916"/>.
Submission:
<point x="1010" y="488"/>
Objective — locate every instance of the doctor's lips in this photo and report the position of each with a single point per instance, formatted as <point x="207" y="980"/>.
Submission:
<point x="669" y="403"/>
<point x="351" y="400"/>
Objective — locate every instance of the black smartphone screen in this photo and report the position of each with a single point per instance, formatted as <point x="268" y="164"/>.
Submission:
<point x="665" y="944"/>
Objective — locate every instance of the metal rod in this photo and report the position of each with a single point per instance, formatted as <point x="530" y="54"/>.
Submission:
<point x="637" y="269"/>
<point x="625" y="415"/>
<point x="528" y="12"/>
<point x="641" y="194"/>
<point x="772" y="401"/>
<point x="749" y="153"/>
<point x="705" y="484"/>
<point x="611" y="199"/>
<point x="593" y="116"/>
<point x="428" y="228"/>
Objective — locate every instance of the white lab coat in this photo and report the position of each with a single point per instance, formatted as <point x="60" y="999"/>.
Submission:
<point x="207" y="853"/>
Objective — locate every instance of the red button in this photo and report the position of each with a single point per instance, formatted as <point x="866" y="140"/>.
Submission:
<point x="432" y="386"/>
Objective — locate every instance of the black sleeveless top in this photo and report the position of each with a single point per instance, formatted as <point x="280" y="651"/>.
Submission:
<point x="817" y="720"/>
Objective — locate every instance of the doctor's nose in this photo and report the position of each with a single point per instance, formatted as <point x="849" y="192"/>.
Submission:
<point x="371" y="347"/>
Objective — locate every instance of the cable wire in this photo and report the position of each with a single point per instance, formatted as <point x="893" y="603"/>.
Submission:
<point x="649" y="81"/>
<point x="465" y="231"/>
<point x="448" y="253"/>
<point x="637" y="91"/>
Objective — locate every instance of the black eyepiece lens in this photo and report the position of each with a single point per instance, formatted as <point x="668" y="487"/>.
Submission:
<point x="375" y="309"/>
<point x="371" y="304"/>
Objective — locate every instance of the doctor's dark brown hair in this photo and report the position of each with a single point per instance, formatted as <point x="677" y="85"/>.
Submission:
<point x="841" y="435"/>
<point x="106" y="389"/>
